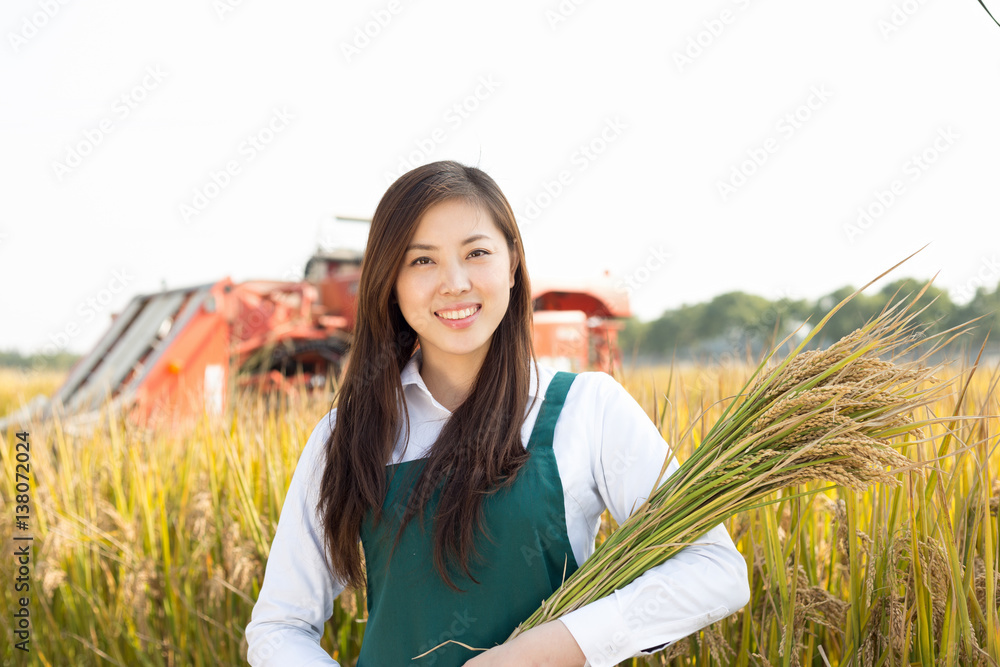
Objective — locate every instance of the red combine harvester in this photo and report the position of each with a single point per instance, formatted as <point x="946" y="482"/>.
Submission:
<point x="174" y="355"/>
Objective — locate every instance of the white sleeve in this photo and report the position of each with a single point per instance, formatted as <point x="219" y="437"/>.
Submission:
<point x="701" y="584"/>
<point x="297" y="595"/>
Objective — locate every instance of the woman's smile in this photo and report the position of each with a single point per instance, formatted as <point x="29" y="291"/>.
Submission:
<point x="459" y="318"/>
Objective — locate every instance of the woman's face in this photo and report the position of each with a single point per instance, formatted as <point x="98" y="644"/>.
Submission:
<point x="454" y="285"/>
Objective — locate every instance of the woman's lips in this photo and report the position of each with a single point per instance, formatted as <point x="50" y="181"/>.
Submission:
<point x="464" y="321"/>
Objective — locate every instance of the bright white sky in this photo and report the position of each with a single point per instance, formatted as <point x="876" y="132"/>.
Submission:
<point x="201" y="77"/>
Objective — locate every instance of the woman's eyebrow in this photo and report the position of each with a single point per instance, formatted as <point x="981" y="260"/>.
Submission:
<point x="424" y="246"/>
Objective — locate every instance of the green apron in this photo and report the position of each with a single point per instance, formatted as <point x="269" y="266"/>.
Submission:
<point x="411" y="609"/>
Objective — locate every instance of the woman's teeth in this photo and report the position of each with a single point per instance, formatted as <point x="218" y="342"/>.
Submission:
<point x="457" y="314"/>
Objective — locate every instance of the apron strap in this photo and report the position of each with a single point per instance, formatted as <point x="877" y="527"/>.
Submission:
<point x="548" y="415"/>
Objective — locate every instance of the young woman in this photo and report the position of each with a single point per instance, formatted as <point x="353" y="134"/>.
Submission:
<point x="473" y="479"/>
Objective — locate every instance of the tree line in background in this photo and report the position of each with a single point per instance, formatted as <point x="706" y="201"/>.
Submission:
<point x="741" y="325"/>
<point x="61" y="361"/>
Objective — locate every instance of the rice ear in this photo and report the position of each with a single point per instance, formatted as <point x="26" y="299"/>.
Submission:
<point x="828" y="414"/>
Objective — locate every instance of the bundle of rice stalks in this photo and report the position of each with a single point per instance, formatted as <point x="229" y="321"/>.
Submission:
<point x="828" y="414"/>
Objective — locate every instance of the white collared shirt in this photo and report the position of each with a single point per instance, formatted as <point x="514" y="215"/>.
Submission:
<point x="609" y="455"/>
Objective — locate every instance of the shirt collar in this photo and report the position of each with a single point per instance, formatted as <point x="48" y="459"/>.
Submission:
<point x="411" y="375"/>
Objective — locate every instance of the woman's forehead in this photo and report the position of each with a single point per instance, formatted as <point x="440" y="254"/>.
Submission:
<point x="455" y="221"/>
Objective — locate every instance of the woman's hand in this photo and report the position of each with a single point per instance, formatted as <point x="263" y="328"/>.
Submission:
<point x="549" y="645"/>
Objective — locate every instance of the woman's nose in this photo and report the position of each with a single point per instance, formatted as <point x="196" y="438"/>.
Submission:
<point x="454" y="278"/>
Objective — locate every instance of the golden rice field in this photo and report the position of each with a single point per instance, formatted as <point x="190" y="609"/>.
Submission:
<point x="149" y="547"/>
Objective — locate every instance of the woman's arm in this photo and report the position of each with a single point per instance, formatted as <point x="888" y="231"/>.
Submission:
<point x="297" y="595"/>
<point x="698" y="586"/>
<point x="550" y="644"/>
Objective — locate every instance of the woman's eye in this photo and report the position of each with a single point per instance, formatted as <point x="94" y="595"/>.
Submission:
<point x="420" y="261"/>
<point x="478" y="253"/>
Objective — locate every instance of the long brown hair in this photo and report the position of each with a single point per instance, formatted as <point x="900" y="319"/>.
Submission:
<point x="479" y="449"/>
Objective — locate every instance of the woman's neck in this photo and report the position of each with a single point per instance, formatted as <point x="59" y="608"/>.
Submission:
<point x="450" y="378"/>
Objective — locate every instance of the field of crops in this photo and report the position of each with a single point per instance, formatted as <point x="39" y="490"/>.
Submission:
<point x="149" y="547"/>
